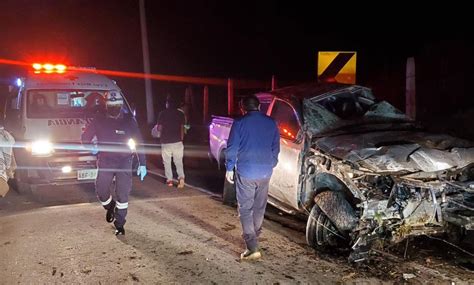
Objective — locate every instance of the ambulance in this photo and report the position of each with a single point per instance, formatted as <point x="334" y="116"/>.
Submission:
<point x="47" y="114"/>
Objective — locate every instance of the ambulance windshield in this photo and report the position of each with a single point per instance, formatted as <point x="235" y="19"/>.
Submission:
<point x="66" y="103"/>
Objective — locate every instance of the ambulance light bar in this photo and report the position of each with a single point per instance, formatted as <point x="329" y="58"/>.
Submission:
<point x="49" y="68"/>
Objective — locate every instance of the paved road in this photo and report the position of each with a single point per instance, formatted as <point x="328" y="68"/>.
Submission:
<point x="59" y="235"/>
<point x="172" y="236"/>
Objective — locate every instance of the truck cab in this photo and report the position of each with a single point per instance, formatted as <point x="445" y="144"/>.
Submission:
<point x="46" y="115"/>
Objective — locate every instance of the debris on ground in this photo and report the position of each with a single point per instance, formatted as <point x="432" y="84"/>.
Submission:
<point x="408" y="276"/>
<point x="228" y="227"/>
<point x="348" y="276"/>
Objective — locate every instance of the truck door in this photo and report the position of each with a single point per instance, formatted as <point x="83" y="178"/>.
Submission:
<point x="284" y="181"/>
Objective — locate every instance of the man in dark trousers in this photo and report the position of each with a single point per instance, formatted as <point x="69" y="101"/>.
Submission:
<point x="171" y="126"/>
<point x="252" y="150"/>
<point x="117" y="136"/>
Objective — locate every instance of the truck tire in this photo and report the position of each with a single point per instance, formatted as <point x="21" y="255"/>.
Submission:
<point x="229" y="196"/>
<point x="212" y="162"/>
<point x="323" y="232"/>
<point x="221" y="162"/>
<point x="338" y="210"/>
<point x="319" y="231"/>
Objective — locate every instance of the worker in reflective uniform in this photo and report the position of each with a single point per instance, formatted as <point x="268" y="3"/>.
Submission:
<point x="117" y="135"/>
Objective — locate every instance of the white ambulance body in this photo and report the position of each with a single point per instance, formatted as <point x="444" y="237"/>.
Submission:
<point x="47" y="116"/>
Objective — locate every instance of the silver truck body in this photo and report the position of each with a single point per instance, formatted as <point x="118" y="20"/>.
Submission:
<point x="362" y="171"/>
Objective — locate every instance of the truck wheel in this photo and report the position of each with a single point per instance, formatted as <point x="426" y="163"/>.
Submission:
<point x="338" y="210"/>
<point x="221" y="162"/>
<point x="321" y="233"/>
<point x="229" y="196"/>
<point x="212" y="161"/>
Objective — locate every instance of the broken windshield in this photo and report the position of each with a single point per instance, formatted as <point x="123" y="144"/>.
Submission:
<point x="350" y="107"/>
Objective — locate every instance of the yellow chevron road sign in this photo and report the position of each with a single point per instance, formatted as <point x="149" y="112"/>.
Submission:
<point x="337" y="66"/>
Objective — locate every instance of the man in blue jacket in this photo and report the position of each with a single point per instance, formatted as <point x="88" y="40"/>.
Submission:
<point x="117" y="136"/>
<point x="252" y="150"/>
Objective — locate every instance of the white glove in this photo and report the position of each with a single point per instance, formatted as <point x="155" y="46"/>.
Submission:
<point x="229" y="175"/>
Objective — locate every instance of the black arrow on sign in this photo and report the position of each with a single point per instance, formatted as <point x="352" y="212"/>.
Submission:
<point x="336" y="65"/>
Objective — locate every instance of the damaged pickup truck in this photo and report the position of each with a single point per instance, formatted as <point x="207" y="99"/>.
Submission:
<point x="362" y="172"/>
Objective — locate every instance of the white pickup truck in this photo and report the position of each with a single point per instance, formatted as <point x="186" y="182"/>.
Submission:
<point x="360" y="170"/>
<point x="219" y="132"/>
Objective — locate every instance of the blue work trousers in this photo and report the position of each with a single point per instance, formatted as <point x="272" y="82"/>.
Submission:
<point x="252" y="195"/>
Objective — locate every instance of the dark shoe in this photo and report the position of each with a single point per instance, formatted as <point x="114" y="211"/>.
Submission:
<point x="110" y="215"/>
<point x="251" y="254"/>
<point x="119" y="231"/>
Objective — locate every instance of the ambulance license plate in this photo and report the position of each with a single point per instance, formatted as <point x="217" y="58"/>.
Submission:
<point x="86" y="174"/>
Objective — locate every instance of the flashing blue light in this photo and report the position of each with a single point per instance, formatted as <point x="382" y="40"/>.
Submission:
<point x="18" y="82"/>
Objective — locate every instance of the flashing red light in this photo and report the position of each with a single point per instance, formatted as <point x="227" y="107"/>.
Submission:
<point x="60" y="67"/>
<point x="49" y="68"/>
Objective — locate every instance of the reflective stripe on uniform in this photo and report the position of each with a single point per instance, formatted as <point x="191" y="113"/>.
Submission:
<point x="106" y="202"/>
<point x="122" y="205"/>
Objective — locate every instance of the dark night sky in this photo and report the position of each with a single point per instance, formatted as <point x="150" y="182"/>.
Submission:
<point x="223" y="38"/>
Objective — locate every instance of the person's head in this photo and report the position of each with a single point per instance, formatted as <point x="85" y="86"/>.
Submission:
<point x="95" y="102"/>
<point x="114" y="103"/>
<point x="250" y="103"/>
<point x="94" y="98"/>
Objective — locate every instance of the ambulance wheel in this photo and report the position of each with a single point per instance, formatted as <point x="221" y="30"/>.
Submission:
<point x="24" y="188"/>
<point x="21" y="183"/>
<point x="229" y="196"/>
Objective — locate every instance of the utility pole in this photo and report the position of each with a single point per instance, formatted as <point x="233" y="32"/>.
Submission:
<point x="146" y="65"/>
<point x="205" y="105"/>
<point x="230" y="96"/>
<point x="410" y="89"/>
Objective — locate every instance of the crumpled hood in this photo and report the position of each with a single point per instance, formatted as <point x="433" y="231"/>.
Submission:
<point x="399" y="151"/>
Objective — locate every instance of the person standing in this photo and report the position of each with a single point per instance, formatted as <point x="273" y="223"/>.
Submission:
<point x="252" y="150"/>
<point x="7" y="160"/>
<point x="117" y="136"/>
<point x="170" y="125"/>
